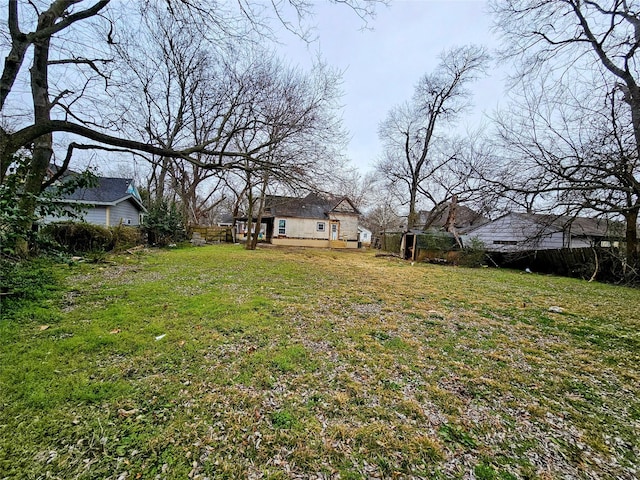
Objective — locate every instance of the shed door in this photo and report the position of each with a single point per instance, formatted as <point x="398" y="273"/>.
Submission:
<point x="409" y="246"/>
<point x="334" y="227"/>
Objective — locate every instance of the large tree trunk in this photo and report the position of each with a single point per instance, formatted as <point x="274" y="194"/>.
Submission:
<point x="414" y="217"/>
<point x="43" y="146"/>
<point x="248" y="242"/>
<point x="450" y="224"/>
<point x="262" y="199"/>
<point x="253" y="243"/>
<point x="631" y="237"/>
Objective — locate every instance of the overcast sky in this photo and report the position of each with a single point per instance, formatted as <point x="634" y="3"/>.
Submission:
<point x="382" y="64"/>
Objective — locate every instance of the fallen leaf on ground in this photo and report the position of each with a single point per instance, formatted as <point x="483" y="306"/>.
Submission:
<point x="127" y="413"/>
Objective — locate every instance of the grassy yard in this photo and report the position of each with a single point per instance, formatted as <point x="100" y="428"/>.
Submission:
<point x="216" y="362"/>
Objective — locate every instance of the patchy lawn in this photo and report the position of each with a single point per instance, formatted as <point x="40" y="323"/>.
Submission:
<point x="216" y="362"/>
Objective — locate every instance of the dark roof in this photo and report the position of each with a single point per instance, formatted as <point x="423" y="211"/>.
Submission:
<point x="578" y="226"/>
<point x="108" y="191"/>
<point x="313" y="205"/>
<point x="466" y="218"/>
<point x="225" y="218"/>
<point x="590" y="227"/>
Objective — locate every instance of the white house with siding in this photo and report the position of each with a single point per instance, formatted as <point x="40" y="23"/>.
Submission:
<point x="113" y="201"/>
<point x="364" y="235"/>
<point x="517" y="232"/>
<point x="316" y="220"/>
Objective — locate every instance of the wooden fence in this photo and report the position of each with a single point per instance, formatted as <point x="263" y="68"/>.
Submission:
<point x="213" y="234"/>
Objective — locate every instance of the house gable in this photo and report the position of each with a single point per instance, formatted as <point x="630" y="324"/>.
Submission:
<point x="345" y="206"/>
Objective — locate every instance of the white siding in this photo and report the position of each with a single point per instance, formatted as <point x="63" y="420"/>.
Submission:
<point x="95" y="215"/>
<point x="302" y="228"/>
<point x="553" y="241"/>
<point x="58" y="218"/>
<point x="365" y="236"/>
<point x="348" y="225"/>
<point x="512" y="233"/>
<point x="582" y="242"/>
<point x="125" y="211"/>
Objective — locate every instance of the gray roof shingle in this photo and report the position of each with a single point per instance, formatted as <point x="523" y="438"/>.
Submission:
<point x="312" y="206"/>
<point x="108" y="191"/>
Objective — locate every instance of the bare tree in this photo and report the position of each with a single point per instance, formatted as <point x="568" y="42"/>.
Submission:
<point x="358" y="187"/>
<point x="384" y="217"/>
<point x="40" y="28"/>
<point x="415" y="147"/>
<point x="293" y="113"/>
<point x="190" y="93"/>
<point x="595" y="162"/>
<point x="571" y="153"/>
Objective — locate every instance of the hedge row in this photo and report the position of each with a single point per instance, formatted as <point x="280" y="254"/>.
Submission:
<point x="85" y="237"/>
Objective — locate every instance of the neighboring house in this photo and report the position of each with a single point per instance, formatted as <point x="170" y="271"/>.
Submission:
<point x="113" y="201"/>
<point x="225" y="220"/>
<point x="517" y="232"/>
<point x="313" y="221"/>
<point x="364" y="236"/>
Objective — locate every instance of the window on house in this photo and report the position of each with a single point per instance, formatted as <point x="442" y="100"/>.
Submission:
<point x="505" y="242"/>
<point x="320" y="227"/>
<point x="282" y="227"/>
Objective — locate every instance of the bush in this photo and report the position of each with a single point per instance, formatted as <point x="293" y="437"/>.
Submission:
<point x="17" y="234"/>
<point x="124" y="237"/>
<point x="79" y="237"/>
<point x="164" y="224"/>
<point x="473" y="255"/>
